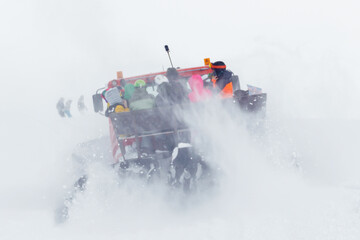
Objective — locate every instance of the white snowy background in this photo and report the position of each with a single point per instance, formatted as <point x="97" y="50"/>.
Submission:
<point x="304" y="54"/>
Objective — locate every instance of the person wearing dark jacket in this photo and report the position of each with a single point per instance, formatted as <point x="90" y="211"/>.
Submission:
<point x="178" y="93"/>
<point x="163" y="99"/>
<point x="163" y="102"/>
<point x="222" y="79"/>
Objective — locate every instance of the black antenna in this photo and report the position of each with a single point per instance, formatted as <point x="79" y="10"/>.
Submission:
<point x="168" y="52"/>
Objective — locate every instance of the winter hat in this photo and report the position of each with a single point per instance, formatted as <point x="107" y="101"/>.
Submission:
<point x="172" y="74"/>
<point x="129" y="90"/>
<point x="219" y="67"/>
<point x="140" y="83"/>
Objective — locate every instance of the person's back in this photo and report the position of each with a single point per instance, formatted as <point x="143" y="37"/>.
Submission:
<point x="115" y="102"/>
<point x="163" y="99"/>
<point x="177" y="94"/>
<point x="198" y="93"/>
<point x="112" y="96"/>
<point x="128" y="92"/>
<point x="140" y="98"/>
<point x="177" y="91"/>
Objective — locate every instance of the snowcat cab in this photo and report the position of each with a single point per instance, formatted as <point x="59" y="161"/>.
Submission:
<point x="132" y="126"/>
<point x="127" y="128"/>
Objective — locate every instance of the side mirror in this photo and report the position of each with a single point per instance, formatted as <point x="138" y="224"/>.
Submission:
<point x="98" y="103"/>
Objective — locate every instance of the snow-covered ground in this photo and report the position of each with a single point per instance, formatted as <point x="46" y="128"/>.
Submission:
<point x="262" y="193"/>
<point x="300" y="181"/>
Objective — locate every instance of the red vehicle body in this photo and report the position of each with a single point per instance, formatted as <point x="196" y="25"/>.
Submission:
<point x="148" y="78"/>
<point x="251" y="103"/>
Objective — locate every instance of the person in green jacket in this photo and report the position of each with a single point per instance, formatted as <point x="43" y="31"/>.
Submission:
<point x="128" y="92"/>
<point x="140" y="99"/>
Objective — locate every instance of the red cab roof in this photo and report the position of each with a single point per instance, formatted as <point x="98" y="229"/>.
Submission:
<point x="185" y="72"/>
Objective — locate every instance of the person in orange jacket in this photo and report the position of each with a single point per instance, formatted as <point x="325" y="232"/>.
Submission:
<point x="222" y="79"/>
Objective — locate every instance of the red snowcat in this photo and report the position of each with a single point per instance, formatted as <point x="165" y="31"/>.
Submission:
<point x="173" y="159"/>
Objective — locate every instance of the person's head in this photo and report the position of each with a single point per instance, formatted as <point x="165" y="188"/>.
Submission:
<point x="122" y="82"/>
<point x="196" y="83"/>
<point x="172" y="74"/>
<point x="140" y="83"/>
<point x="129" y="90"/>
<point x="218" y="67"/>
<point x="113" y="83"/>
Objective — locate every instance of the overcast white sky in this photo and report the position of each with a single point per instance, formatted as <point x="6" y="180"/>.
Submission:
<point x="67" y="48"/>
<point x="304" y="54"/>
